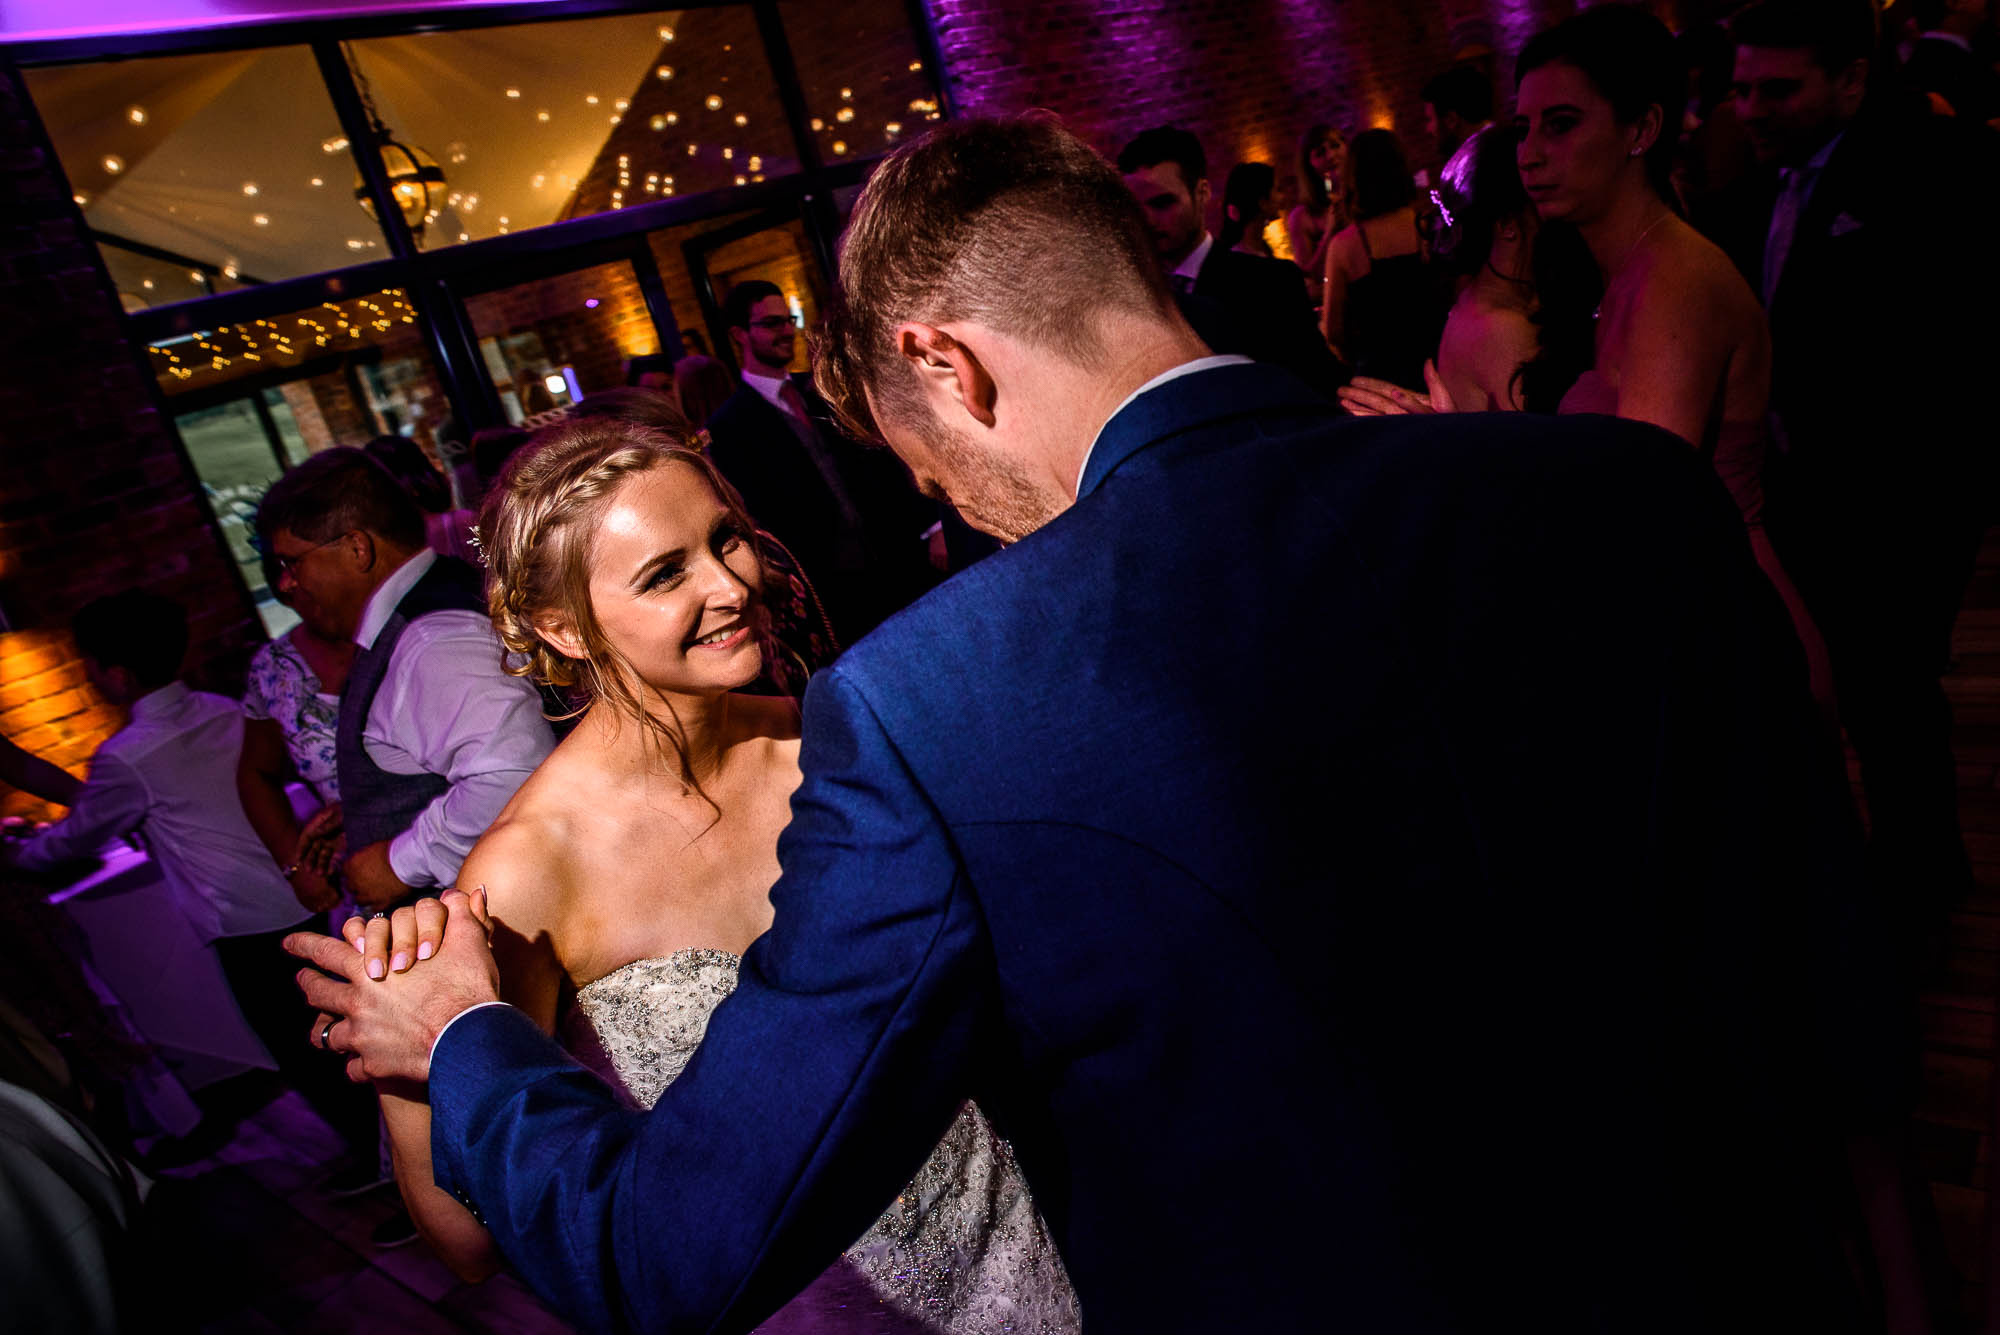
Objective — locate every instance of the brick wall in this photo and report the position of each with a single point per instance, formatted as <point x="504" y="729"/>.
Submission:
<point x="93" y="493"/>
<point x="1247" y="76"/>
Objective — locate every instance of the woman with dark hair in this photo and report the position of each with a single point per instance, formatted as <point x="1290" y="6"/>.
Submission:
<point x="1675" y="335"/>
<point x="447" y="532"/>
<point x="1322" y="208"/>
<point x="1384" y="310"/>
<point x="704" y="385"/>
<point x="1247" y="205"/>
<point x="1487" y="238"/>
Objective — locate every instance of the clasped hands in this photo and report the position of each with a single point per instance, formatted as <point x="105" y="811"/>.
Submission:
<point x="322" y="851"/>
<point x="377" y="1012"/>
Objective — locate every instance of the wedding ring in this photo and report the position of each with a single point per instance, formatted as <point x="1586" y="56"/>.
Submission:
<point x="378" y="913"/>
<point x="324" y="1031"/>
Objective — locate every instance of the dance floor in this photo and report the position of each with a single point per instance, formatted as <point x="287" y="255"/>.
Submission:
<point x="1955" y="1113"/>
<point x="267" y="1251"/>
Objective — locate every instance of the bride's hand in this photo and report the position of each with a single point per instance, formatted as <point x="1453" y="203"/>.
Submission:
<point x="1365" y="396"/>
<point x="393" y="943"/>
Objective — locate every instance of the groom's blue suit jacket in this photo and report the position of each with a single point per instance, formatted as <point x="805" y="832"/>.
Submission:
<point x="1360" y="864"/>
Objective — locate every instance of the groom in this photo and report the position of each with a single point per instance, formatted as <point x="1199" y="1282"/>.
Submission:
<point x="1366" y="868"/>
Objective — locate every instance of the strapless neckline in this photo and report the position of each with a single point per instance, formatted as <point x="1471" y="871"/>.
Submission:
<point x="689" y="954"/>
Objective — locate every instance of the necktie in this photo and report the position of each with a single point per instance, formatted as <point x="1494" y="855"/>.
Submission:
<point x="1796" y="187"/>
<point x="795" y="402"/>
<point x="1184" y="284"/>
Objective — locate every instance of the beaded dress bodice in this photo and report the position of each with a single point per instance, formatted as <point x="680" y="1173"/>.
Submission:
<point x="962" y="1251"/>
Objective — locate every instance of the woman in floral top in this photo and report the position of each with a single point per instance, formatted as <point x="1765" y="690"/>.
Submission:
<point x="291" y="711"/>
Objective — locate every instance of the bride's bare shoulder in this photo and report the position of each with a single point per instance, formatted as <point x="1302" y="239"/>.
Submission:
<point x="520" y="862"/>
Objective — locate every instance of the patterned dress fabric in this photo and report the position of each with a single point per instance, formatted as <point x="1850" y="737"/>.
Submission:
<point x="961" y="1251"/>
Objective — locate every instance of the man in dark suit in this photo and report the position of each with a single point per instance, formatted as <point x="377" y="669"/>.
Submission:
<point x="1238" y="303"/>
<point x="1881" y="485"/>
<point x="1944" y="70"/>
<point x="847" y="512"/>
<point x="1451" y="994"/>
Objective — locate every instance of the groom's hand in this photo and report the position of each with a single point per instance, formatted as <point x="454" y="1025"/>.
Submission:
<point x="386" y="1028"/>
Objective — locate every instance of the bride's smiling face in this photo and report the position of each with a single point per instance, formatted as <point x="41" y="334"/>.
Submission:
<point x="675" y="586"/>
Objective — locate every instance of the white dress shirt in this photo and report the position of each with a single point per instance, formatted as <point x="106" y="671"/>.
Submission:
<point x="1190" y="268"/>
<point x="769" y="387"/>
<point x="446" y="707"/>
<point x="170" y="775"/>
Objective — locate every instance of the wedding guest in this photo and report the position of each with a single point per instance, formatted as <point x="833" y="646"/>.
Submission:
<point x="1239" y="304"/>
<point x="1880" y="496"/>
<point x="1679" y="339"/>
<point x="447" y="532"/>
<point x="1457" y="104"/>
<point x="652" y="370"/>
<point x="1248" y="205"/>
<point x="291" y="713"/>
<point x="35" y="776"/>
<point x="72" y="1216"/>
<point x="169" y="777"/>
<point x="849" y="514"/>
<point x="1322" y="207"/>
<point x="433" y="735"/>
<point x="1944" y="70"/>
<point x="1385" y="307"/>
<point x="703" y="386"/>
<point x="1487" y="239"/>
<point x="491" y="448"/>
<point x="646" y="407"/>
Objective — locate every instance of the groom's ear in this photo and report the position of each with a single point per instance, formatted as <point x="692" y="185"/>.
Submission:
<point x="954" y="379"/>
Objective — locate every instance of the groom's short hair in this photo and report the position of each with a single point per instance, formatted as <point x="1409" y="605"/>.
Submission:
<point x="1013" y="222"/>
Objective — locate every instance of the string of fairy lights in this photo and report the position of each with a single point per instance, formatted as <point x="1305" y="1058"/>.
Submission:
<point x="334" y="325"/>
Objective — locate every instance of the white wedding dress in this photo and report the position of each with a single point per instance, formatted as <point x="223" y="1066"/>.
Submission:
<point x="962" y="1251"/>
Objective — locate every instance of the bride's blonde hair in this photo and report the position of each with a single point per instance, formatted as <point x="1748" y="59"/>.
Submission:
<point x="535" y="532"/>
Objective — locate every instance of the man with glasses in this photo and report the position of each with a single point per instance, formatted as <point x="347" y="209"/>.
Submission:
<point x="434" y="737"/>
<point x="848" y="513"/>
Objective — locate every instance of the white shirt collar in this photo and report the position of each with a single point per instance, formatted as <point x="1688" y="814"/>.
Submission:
<point x="767" y="385"/>
<point x="1185" y="368"/>
<point x="383" y="605"/>
<point x="1952" y="37"/>
<point x="1191" y="266"/>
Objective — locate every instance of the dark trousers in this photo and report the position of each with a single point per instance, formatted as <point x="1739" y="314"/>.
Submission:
<point x="1883" y="581"/>
<point x="264" y="980"/>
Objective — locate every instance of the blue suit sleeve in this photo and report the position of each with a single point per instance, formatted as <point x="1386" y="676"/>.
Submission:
<point x="823" y="1082"/>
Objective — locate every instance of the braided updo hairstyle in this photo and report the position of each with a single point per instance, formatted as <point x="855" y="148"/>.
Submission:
<point x="535" y="531"/>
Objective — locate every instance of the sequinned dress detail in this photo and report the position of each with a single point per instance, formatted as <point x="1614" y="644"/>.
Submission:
<point x="962" y="1251"/>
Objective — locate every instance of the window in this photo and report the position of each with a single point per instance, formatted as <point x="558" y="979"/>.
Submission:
<point x="252" y="399"/>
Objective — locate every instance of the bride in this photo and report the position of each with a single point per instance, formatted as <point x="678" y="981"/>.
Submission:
<point x="632" y="870"/>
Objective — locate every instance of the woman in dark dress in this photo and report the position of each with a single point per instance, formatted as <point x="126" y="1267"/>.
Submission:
<point x="1385" y="305"/>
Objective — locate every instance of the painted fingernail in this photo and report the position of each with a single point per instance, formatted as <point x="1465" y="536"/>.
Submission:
<point x="425" y="950"/>
<point x="360" y="946"/>
<point x="375" y="969"/>
<point x="401" y="962"/>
